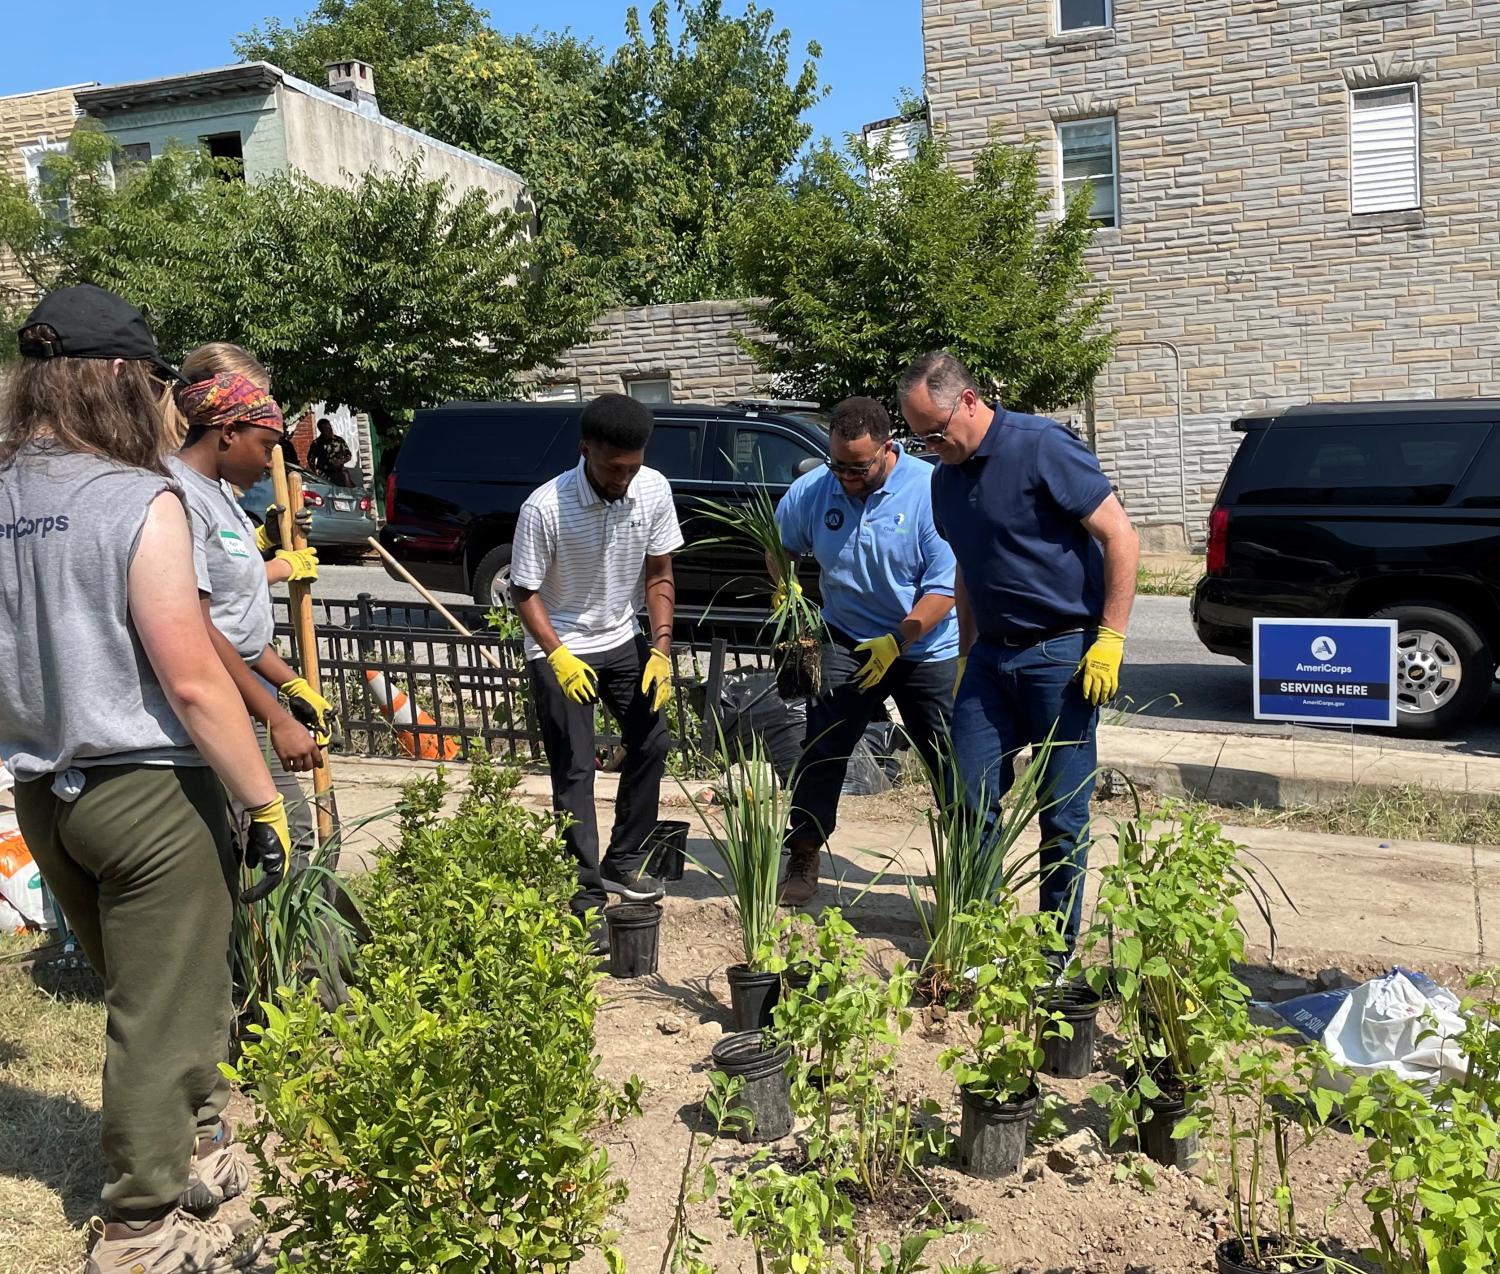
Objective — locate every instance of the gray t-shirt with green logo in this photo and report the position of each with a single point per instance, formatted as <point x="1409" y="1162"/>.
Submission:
<point x="76" y="688"/>
<point x="229" y="567"/>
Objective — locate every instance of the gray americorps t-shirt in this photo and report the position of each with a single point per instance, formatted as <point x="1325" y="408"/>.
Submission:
<point x="229" y="567"/>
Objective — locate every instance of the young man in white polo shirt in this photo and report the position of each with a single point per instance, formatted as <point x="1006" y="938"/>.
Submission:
<point x="591" y="545"/>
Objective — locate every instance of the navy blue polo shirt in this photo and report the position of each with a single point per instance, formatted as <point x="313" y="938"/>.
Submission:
<point x="1013" y="512"/>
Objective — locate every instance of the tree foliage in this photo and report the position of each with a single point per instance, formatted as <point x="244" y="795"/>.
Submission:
<point x="634" y="159"/>
<point x="861" y="274"/>
<point x="387" y="295"/>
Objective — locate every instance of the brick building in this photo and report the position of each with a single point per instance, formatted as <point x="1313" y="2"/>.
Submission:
<point x="1297" y="200"/>
<point x="659" y="353"/>
<point x="31" y="125"/>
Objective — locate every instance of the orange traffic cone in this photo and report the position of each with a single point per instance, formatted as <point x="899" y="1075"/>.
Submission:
<point x="399" y="710"/>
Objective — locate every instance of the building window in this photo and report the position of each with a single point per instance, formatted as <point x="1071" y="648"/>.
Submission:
<point x="561" y="391"/>
<point x="650" y="389"/>
<point x="227" y="146"/>
<point x="1083" y="15"/>
<point x="1384" y="170"/>
<point x="51" y="200"/>
<point x="135" y="155"/>
<point x="1087" y="154"/>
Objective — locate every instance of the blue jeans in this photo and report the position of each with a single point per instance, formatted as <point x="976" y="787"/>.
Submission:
<point x="1010" y="698"/>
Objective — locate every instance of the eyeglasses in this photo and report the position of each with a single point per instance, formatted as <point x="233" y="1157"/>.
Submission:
<point x="939" y="435"/>
<point x="857" y="470"/>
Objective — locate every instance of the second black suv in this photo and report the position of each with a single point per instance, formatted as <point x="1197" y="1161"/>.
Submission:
<point x="1388" y="510"/>
<point x="465" y="469"/>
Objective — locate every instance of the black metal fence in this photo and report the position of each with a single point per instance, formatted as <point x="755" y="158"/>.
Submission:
<point x="404" y="683"/>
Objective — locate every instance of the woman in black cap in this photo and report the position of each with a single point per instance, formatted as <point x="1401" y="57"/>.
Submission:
<point x="115" y="718"/>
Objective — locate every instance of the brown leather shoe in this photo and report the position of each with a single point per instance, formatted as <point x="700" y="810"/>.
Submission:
<point x="800" y="884"/>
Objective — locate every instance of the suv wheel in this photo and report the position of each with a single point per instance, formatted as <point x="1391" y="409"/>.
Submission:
<point x="1444" y="669"/>
<point x="492" y="579"/>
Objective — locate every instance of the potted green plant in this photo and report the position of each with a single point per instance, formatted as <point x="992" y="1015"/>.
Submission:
<point x="1010" y="1015"/>
<point x="795" y="626"/>
<point x="747" y="828"/>
<point x="1169" y="916"/>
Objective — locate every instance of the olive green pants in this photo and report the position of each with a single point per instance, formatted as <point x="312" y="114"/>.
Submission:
<point x="142" y="868"/>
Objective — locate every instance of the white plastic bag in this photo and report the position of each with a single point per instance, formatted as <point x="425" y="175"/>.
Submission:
<point x="20" y="881"/>
<point x="1403" y="1023"/>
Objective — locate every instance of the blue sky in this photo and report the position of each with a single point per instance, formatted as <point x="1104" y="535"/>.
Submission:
<point x="871" y="48"/>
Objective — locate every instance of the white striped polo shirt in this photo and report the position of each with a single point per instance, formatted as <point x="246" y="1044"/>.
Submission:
<point x="586" y="556"/>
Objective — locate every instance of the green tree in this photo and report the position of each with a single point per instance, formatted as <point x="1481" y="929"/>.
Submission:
<point x="389" y="295"/>
<point x="862" y="273"/>
<point x="634" y="159"/>
<point x="383" y="33"/>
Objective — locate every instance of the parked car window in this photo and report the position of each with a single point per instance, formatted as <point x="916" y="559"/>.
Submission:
<point x="674" y="450"/>
<point x="1350" y="464"/>
<point x="478" y="444"/>
<point x="765" y="455"/>
<point x="1481" y="488"/>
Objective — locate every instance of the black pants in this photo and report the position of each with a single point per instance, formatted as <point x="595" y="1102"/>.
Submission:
<point x="923" y="691"/>
<point x="568" y="738"/>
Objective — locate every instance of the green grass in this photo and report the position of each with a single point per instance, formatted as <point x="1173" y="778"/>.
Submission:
<point x="1167" y="581"/>
<point x="1403" y="813"/>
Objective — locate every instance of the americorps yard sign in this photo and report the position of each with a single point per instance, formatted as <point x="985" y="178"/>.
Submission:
<point x="1326" y="671"/>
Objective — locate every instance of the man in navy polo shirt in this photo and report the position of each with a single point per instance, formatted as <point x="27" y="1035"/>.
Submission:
<point x="1046" y="578"/>
<point x="887" y="583"/>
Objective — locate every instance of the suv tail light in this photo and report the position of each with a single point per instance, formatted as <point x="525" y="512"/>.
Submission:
<point x="364" y="504"/>
<point x="390" y="495"/>
<point x="1217" y="556"/>
<point x="313" y="499"/>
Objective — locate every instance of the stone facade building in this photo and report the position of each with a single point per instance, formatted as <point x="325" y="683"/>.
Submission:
<point x="1298" y="200"/>
<point x="660" y="353"/>
<point x="31" y="125"/>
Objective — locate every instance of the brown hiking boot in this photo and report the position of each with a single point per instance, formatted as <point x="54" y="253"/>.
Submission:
<point x="800" y="884"/>
<point x="179" y="1244"/>
<point x="217" y="1173"/>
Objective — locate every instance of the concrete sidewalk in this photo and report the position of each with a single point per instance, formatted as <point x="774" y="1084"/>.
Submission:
<point x="1356" y="902"/>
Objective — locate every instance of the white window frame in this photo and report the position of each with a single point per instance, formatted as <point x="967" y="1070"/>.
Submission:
<point x="632" y="383"/>
<point x="1416" y="104"/>
<point x="558" y="391"/>
<point x="1114" y="154"/>
<point x="1057" y="17"/>
<point x="32" y="157"/>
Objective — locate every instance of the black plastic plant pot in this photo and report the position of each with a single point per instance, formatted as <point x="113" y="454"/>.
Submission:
<point x="752" y="996"/>
<point x="634" y="928"/>
<point x="666" y="850"/>
<point x="1072" y="1058"/>
<point x="1234" y="1256"/>
<point x="797" y="977"/>
<point x="767" y="1090"/>
<point x="992" y="1134"/>
<point x="1156" y="1139"/>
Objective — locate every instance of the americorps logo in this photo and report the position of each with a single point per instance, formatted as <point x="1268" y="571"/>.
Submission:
<point x="1324" y="648"/>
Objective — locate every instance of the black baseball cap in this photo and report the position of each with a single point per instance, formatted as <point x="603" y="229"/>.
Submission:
<point x="88" y="322"/>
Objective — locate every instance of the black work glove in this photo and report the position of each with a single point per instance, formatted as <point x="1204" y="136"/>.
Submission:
<point x="267" y="845"/>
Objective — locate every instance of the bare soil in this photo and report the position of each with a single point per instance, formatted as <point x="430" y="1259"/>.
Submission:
<point x="1063" y="1214"/>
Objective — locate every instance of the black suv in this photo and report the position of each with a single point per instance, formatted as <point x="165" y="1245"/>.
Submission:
<point x="465" y="469"/>
<point x="1388" y="510"/>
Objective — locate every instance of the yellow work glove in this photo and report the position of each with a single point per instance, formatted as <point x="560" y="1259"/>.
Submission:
<point x="883" y="652"/>
<point x="267" y="846"/>
<point x="268" y="533"/>
<point x="310" y="708"/>
<point x="656" y="680"/>
<point x="304" y="563"/>
<point x="958" y="677"/>
<point x="578" y="681"/>
<point x="1100" y="666"/>
<point x="779" y="596"/>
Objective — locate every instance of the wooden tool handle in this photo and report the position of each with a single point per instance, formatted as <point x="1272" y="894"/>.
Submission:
<point x="431" y="600"/>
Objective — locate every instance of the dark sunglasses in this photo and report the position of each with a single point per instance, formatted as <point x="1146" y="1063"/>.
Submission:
<point x="854" y="470"/>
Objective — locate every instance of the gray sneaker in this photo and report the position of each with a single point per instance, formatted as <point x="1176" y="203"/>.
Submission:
<point x="183" y="1244"/>
<point x="217" y="1173"/>
<point x="633" y="886"/>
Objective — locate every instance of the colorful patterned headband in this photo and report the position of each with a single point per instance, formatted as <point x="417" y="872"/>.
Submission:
<point x="230" y="399"/>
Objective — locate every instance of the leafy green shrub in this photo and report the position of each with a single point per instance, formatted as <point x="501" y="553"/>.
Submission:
<point x="442" y="1120"/>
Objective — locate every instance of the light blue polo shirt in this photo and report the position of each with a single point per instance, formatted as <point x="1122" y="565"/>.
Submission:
<point x="877" y="556"/>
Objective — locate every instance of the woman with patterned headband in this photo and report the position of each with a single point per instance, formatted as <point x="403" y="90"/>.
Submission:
<point x="234" y="426"/>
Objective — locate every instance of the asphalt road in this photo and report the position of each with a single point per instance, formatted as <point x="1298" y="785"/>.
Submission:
<point x="1170" y="680"/>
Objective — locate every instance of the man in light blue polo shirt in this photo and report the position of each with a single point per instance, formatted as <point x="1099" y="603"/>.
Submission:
<point x="887" y="584"/>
